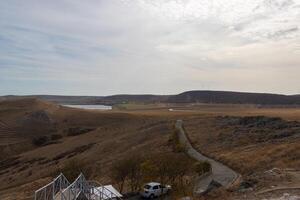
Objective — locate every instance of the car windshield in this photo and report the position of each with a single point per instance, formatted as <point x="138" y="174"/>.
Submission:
<point x="147" y="187"/>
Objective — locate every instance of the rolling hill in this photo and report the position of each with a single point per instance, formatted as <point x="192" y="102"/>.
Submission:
<point x="39" y="138"/>
<point x="197" y="96"/>
<point x="234" y="98"/>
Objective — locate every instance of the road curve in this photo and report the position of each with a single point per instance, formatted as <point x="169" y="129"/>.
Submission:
<point x="220" y="173"/>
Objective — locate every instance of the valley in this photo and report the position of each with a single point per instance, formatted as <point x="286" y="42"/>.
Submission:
<point x="39" y="138"/>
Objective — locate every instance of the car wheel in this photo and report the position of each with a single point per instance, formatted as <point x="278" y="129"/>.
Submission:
<point x="152" y="196"/>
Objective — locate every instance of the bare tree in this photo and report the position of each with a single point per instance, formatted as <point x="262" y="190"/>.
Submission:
<point x="119" y="173"/>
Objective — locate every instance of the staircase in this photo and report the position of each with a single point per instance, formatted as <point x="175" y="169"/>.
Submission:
<point x="81" y="189"/>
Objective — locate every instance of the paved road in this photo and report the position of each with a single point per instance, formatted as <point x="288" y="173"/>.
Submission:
<point x="220" y="173"/>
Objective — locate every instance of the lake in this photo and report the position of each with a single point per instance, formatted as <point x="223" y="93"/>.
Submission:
<point x="90" y="107"/>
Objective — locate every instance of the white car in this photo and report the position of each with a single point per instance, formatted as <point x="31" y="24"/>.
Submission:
<point x="154" y="189"/>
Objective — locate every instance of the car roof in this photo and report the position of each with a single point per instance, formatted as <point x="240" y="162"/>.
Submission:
<point x="153" y="183"/>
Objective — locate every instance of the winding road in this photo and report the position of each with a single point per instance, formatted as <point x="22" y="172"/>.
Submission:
<point x="220" y="173"/>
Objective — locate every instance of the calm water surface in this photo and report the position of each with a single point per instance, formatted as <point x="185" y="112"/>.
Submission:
<point x="93" y="107"/>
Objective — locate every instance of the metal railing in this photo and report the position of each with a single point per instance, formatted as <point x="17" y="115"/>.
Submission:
<point x="61" y="189"/>
<point x="80" y="185"/>
<point x="52" y="189"/>
<point x="102" y="192"/>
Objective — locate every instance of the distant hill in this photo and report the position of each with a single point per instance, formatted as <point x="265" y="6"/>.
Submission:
<point x="197" y="96"/>
<point x="234" y="98"/>
<point x="143" y="98"/>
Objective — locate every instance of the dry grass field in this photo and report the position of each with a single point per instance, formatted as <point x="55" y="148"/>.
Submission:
<point x="98" y="138"/>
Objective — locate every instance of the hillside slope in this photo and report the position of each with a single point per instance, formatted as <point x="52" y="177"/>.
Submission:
<point x="96" y="138"/>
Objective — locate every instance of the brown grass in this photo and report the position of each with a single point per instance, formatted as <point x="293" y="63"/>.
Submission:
<point x="118" y="133"/>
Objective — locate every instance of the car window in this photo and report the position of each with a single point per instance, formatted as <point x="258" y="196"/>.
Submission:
<point x="147" y="187"/>
<point x="155" y="187"/>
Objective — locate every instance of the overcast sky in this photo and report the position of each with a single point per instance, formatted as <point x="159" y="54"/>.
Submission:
<point x="103" y="47"/>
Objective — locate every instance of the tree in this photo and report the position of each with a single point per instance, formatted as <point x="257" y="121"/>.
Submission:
<point x="119" y="173"/>
<point x="128" y="169"/>
<point x="135" y="172"/>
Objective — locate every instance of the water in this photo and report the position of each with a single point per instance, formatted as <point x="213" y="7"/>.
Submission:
<point x="90" y="107"/>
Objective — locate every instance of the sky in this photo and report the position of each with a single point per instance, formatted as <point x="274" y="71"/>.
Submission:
<point x="105" y="47"/>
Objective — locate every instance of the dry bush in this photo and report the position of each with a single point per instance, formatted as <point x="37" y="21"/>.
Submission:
<point x="40" y="141"/>
<point x="165" y="168"/>
<point x="56" y="136"/>
<point x="202" y="167"/>
<point x="74" y="167"/>
<point x="175" y="143"/>
<point x="78" y="131"/>
<point x="128" y="169"/>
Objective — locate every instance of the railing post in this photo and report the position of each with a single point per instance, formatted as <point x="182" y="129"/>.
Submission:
<point x="53" y="188"/>
<point x="60" y="185"/>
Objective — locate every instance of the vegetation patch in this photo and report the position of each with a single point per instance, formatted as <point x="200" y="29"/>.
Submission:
<point x="78" y="131"/>
<point x="258" y="128"/>
<point x="34" y="160"/>
<point x="56" y="136"/>
<point x="73" y="168"/>
<point x="40" y="141"/>
<point x="74" y="152"/>
<point x="202" y="167"/>
<point x="175" y="143"/>
<point x="9" y="162"/>
<point x="134" y="171"/>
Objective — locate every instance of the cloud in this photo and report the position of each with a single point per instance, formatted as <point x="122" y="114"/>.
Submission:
<point x="141" y="46"/>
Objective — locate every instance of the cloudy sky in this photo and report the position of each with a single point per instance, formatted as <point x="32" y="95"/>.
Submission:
<point x="103" y="47"/>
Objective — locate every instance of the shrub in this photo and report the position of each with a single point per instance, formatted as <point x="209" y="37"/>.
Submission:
<point x="56" y="137"/>
<point x="78" y="131"/>
<point x="135" y="170"/>
<point x="174" y="141"/>
<point x="40" y="141"/>
<point x="74" y="167"/>
<point x="202" y="167"/>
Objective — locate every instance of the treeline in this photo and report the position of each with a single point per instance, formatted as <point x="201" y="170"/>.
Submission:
<point x="174" y="169"/>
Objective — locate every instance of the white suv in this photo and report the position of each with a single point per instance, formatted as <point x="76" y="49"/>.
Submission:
<point x="153" y="189"/>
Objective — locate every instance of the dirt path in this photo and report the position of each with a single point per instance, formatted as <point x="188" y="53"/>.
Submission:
<point x="220" y="173"/>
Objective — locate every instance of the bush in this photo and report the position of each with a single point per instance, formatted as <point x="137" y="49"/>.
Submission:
<point x="202" y="167"/>
<point x="174" y="141"/>
<point x="78" y="131"/>
<point x="165" y="168"/>
<point x="74" y="167"/>
<point x="56" y="137"/>
<point x="40" y="141"/>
